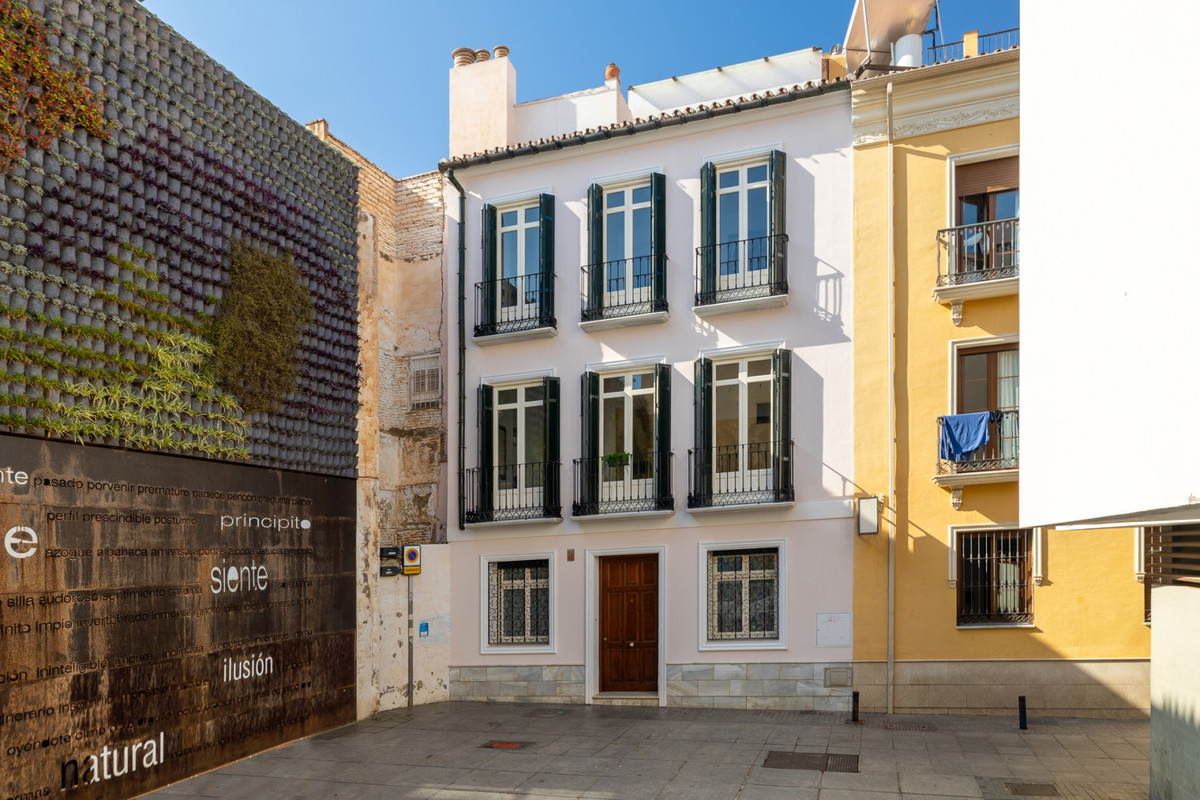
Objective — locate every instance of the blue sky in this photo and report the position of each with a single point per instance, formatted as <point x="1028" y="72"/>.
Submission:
<point x="377" y="69"/>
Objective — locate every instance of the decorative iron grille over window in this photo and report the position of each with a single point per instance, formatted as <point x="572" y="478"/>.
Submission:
<point x="995" y="585"/>
<point x="519" y="602"/>
<point x="743" y="594"/>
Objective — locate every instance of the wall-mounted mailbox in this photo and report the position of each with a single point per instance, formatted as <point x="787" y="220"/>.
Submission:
<point x="389" y="552"/>
<point x="389" y="572"/>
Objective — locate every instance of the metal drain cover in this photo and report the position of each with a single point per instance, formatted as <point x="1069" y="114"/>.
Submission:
<point x="496" y="745"/>
<point x="1032" y="789"/>
<point x="903" y="725"/>
<point x="823" y="762"/>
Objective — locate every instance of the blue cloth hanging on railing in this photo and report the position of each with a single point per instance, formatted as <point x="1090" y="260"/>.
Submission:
<point x="962" y="435"/>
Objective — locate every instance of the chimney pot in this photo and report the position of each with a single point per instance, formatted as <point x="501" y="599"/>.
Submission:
<point x="612" y="72"/>
<point x="500" y="51"/>
<point x="463" y="56"/>
<point x="482" y="55"/>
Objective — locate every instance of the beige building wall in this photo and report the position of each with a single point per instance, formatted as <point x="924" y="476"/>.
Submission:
<point x="401" y="442"/>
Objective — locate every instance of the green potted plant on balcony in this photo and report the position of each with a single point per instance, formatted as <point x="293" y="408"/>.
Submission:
<point x="615" y="460"/>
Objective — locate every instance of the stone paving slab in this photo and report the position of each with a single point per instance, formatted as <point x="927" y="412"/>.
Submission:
<point x="438" y="752"/>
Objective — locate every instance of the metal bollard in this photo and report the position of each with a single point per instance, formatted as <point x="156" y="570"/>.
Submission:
<point x="1021" y="711"/>
<point x="854" y="708"/>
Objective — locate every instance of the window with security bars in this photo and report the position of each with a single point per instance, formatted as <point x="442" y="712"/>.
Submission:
<point x="424" y="382"/>
<point x="519" y="602"/>
<point x="743" y="594"/>
<point x="994" y="577"/>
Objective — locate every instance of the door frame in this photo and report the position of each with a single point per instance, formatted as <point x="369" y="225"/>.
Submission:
<point x="592" y="617"/>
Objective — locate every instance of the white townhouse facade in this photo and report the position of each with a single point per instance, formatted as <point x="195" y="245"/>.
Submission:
<point x="649" y="311"/>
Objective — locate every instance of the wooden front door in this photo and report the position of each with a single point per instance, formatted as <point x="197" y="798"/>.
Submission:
<point x="629" y="623"/>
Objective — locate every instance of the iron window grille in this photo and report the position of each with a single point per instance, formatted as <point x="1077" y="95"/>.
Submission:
<point x="743" y="594"/>
<point x="424" y="382"/>
<point x="519" y="602"/>
<point x="995" y="585"/>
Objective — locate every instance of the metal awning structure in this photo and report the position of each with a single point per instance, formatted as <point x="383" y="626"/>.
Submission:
<point x="876" y="24"/>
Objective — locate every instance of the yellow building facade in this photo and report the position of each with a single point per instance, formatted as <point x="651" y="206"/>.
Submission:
<point x="956" y="608"/>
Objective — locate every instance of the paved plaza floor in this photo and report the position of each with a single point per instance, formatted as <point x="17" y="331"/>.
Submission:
<point x="486" y="751"/>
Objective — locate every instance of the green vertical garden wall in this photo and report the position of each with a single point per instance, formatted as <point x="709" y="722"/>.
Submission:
<point x="184" y="281"/>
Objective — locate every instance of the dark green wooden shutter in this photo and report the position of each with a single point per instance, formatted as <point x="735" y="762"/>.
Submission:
<point x="708" y="233"/>
<point x="702" y="463"/>
<point x="553" y="508"/>
<point x="546" y="258"/>
<point x="781" y="424"/>
<point x="658" y="238"/>
<point x="662" y="436"/>
<point x="589" y="463"/>
<point x="595" y="284"/>
<point x="487" y="314"/>
<point x="486" y="452"/>
<point x="777" y="263"/>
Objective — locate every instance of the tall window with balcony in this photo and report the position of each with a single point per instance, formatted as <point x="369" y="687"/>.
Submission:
<point x="626" y="431"/>
<point x="518" y="473"/>
<point x="626" y="273"/>
<point x="743" y="247"/>
<point x="985" y="243"/>
<point x="984" y="435"/>
<point x="743" y="452"/>
<point x="517" y="290"/>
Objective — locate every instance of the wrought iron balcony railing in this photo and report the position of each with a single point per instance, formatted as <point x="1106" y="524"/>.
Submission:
<point x="987" y="43"/>
<point x="740" y="474"/>
<point x="512" y="492"/>
<point x="986" y="251"/>
<point x="622" y="482"/>
<point x="622" y="288"/>
<point x="1001" y="451"/>
<point x="516" y="303"/>
<point x="741" y="270"/>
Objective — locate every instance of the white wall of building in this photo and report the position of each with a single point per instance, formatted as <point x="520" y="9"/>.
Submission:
<point x="815" y="325"/>
<point x="1109" y="282"/>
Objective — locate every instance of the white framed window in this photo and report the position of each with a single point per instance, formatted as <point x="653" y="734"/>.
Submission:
<point x="628" y="262"/>
<point x="742" y="216"/>
<point x="627" y="418"/>
<point x="425" y="381"/>
<point x="517" y="241"/>
<point x="517" y="607"/>
<point x="743" y="595"/>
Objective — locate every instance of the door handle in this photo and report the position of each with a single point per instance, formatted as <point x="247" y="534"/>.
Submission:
<point x="631" y="644"/>
<point x="606" y="638"/>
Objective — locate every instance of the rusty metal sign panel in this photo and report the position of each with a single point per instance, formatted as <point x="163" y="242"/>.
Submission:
<point x="160" y="616"/>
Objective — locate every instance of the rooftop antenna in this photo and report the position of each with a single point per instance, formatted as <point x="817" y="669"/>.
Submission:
<point x="937" y="37"/>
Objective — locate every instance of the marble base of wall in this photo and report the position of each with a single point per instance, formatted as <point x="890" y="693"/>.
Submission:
<point x="778" y="686"/>
<point x="537" y="684"/>
<point x="1059" y="688"/>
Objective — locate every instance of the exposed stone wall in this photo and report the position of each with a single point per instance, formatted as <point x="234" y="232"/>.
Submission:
<point x="401" y="448"/>
<point x="524" y="684"/>
<point x="786" y="686"/>
<point x="1072" y="688"/>
<point x="778" y="686"/>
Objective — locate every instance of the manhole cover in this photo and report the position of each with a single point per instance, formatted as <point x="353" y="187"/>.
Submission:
<point x="842" y="762"/>
<point x="505" y="745"/>
<point x="825" y="762"/>
<point x="1032" y="789"/>
<point x="781" y="759"/>
<point x="899" y="725"/>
